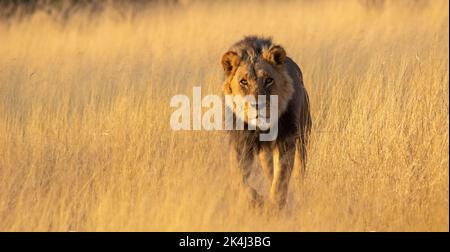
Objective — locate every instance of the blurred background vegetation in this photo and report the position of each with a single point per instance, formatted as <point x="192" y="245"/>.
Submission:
<point x="63" y="9"/>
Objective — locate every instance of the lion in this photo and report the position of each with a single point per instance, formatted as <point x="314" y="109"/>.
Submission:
<point x="255" y="66"/>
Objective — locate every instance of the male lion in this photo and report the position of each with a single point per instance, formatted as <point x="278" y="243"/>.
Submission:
<point x="255" y="66"/>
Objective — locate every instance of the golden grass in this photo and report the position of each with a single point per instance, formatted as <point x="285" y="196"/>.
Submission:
<point x="85" y="142"/>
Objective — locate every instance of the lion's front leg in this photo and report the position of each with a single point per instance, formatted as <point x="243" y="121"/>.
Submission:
<point x="283" y="160"/>
<point x="265" y="155"/>
<point x="244" y="159"/>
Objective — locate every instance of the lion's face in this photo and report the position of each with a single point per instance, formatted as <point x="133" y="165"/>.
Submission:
<point x="248" y="79"/>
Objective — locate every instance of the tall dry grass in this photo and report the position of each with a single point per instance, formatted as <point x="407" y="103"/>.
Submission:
<point x="85" y="141"/>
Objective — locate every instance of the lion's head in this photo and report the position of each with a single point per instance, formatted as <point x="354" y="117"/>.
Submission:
<point x="255" y="67"/>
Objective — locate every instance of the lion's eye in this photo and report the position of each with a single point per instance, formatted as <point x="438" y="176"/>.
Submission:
<point x="268" y="81"/>
<point x="243" y="82"/>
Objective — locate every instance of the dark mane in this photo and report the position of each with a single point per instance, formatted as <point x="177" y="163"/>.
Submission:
<point x="251" y="46"/>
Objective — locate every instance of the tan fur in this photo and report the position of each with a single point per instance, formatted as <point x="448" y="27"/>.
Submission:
<point x="254" y="66"/>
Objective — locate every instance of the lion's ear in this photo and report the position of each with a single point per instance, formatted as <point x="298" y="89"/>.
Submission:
<point x="275" y="55"/>
<point x="230" y="60"/>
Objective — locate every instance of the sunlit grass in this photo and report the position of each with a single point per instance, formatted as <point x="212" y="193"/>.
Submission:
<point x="85" y="140"/>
